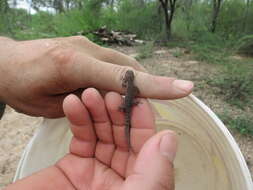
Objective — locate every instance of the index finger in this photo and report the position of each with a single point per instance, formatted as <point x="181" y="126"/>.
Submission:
<point x="84" y="137"/>
<point x="87" y="71"/>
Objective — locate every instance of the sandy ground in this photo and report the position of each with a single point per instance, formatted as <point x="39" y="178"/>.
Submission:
<point x="16" y="129"/>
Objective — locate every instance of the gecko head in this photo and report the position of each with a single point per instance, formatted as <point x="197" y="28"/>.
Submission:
<point x="129" y="74"/>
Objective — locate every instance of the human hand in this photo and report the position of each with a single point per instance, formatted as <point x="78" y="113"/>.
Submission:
<point x="99" y="157"/>
<point x="37" y="75"/>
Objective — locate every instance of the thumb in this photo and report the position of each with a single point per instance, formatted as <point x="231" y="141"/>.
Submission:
<point x="154" y="164"/>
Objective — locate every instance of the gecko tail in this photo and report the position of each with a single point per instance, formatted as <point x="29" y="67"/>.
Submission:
<point x="128" y="136"/>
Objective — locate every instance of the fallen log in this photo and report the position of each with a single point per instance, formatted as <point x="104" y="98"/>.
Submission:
<point x="114" y="37"/>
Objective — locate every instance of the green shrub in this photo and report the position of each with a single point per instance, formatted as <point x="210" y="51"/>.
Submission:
<point x="142" y="20"/>
<point x="245" y="45"/>
<point x="212" y="48"/>
<point x="243" y="124"/>
<point x="40" y="25"/>
<point x="145" y="51"/>
<point x="235" y="82"/>
<point x="69" y="23"/>
<point x="13" y="21"/>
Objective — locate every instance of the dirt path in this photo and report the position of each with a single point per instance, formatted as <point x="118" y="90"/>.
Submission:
<point x="16" y="129"/>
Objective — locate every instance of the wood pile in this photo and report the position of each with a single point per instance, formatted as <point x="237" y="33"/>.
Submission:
<point x="114" y="37"/>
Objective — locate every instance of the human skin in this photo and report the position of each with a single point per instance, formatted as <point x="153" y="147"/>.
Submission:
<point x="37" y="75"/>
<point x="98" y="156"/>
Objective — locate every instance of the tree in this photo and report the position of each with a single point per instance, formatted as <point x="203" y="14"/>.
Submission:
<point x="59" y="5"/>
<point x="4" y="6"/>
<point x="246" y="15"/>
<point x="186" y="6"/>
<point x="5" y="25"/>
<point x="169" y="7"/>
<point x="216" y="11"/>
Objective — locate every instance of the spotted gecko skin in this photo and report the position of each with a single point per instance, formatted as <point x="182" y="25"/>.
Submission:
<point x="131" y="92"/>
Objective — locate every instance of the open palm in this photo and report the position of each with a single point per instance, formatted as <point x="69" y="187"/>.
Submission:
<point x="99" y="157"/>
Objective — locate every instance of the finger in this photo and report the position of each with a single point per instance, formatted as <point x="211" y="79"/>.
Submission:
<point x="87" y="71"/>
<point x="96" y="106"/>
<point x="121" y="155"/>
<point x="113" y="102"/>
<point x="105" y="54"/>
<point x="118" y="58"/>
<point x="141" y="129"/>
<point x="142" y="124"/>
<point x="154" y="164"/>
<point x="84" y="140"/>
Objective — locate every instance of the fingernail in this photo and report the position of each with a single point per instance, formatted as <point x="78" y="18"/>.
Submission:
<point x="168" y="146"/>
<point x="183" y="85"/>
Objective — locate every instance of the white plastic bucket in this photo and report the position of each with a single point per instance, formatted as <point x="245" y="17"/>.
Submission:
<point x="208" y="156"/>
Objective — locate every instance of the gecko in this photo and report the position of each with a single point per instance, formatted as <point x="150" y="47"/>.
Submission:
<point x="129" y="102"/>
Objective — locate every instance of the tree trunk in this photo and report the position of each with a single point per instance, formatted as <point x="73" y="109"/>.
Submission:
<point x="216" y="11"/>
<point x="187" y="11"/>
<point x="246" y="14"/>
<point x="168" y="16"/>
<point x="167" y="25"/>
<point x="112" y="4"/>
<point x="80" y="4"/>
<point x="58" y="5"/>
<point x="67" y="4"/>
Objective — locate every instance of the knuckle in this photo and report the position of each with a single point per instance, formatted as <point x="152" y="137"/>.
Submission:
<point x="121" y="71"/>
<point x="116" y="57"/>
<point x="62" y="59"/>
<point x="62" y="55"/>
<point x="133" y="60"/>
<point x="108" y="54"/>
<point x="80" y="38"/>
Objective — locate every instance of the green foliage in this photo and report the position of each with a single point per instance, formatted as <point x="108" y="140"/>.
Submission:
<point x="235" y="82"/>
<point x="145" y="51"/>
<point x="13" y="20"/>
<point x="245" y="45"/>
<point x="177" y="53"/>
<point x="69" y="23"/>
<point x="109" y="18"/>
<point x="189" y="20"/>
<point x="40" y="25"/>
<point x="142" y="20"/>
<point x="145" y="18"/>
<point x="231" y="18"/>
<point x="210" y="48"/>
<point x="241" y="123"/>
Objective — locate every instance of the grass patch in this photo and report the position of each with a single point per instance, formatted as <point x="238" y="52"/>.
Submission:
<point x="235" y="82"/>
<point x="235" y="77"/>
<point x="177" y="53"/>
<point x="211" y="48"/>
<point x="243" y="124"/>
<point x="209" y="53"/>
<point x="145" y="51"/>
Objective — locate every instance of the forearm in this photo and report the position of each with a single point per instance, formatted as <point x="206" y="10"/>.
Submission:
<point x="7" y="52"/>
<point x="48" y="179"/>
